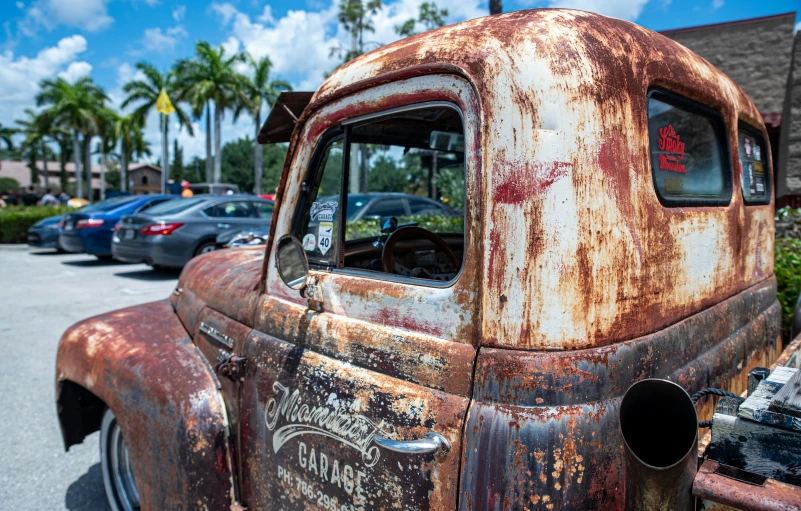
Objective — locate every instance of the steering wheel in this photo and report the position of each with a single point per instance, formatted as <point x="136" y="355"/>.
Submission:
<point x="388" y="258"/>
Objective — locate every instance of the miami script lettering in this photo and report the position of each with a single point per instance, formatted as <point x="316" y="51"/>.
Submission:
<point x="331" y="419"/>
<point x="673" y="150"/>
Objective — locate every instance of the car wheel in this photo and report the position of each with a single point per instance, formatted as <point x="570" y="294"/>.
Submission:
<point x="118" y="477"/>
<point x="205" y="248"/>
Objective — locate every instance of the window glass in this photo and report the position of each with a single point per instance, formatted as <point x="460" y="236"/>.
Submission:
<point x="686" y="152"/>
<point x="754" y="178"/>
<point x="264" y="209"/>
<point x="108" y="204"/>
<point x="319" y="224"/>
<point x="385" y="206"/>
<point x="414" y="156"/>
<point x="173" y="206"/>
<point x="233" y="209"/>
<point x="151" y="204"/>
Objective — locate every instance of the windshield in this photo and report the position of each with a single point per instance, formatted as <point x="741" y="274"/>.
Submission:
<point x="107" y="205"/>
<point x="174" y="206"/>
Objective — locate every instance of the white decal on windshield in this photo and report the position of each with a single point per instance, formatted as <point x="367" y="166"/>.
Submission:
<point x="324" y="234"/>
<point x="331" y="419"/>
<point x="323" y="211"/>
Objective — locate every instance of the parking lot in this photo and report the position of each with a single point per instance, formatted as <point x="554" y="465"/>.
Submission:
<point x="41" y="294"/>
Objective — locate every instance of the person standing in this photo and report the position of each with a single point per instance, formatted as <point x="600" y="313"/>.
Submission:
<point x="63" y="197"/>
<point x="48" y="199"/>
<point x="29" y="198"/>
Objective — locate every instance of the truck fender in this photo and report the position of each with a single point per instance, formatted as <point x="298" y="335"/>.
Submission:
<point x="141" y="363"/>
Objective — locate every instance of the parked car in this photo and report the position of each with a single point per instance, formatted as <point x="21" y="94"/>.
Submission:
<point x="239" y="237"/>
<point x="376" y="205"/>
<point x="44" y="233"/>
<point x="90" y="229"/>
<point x="171" y="234"/>
<point x="610" y="235"/>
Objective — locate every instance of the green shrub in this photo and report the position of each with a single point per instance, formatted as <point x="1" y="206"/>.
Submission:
<point x="8" y="184"/>
<point x="435" y="223"/>
<point x="15" y="221"/>
<point x="788" y="262"/>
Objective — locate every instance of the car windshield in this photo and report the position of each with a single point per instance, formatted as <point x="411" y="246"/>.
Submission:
<point x="107" y="205"/>
<point x="171" y="207"/>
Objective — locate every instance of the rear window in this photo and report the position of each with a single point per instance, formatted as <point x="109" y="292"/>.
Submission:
<point x="174" y="206"/>
<point x="108" y="204"/>
<point x="755" y="176"/>
<point x="688" y="157"/>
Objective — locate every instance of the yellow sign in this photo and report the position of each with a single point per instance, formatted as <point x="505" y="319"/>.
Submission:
<point x="163" y="104"/>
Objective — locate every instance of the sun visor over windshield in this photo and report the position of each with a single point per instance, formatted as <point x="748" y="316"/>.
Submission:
<point x="283" y="117"/>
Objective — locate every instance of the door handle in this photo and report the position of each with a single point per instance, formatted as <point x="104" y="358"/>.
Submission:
<point x="223" y="226"/>
<point x="430" y="443"/>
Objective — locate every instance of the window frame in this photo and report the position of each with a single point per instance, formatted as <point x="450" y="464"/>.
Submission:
<point x="721" y="135"/>
<point x="343" y="129"/>
<point x="756" y="134"/>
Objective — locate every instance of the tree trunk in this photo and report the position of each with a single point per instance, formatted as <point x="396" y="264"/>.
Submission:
<point x="124" y="168"/>
<point x="217" y="141"/>
<point x="76" y="156"/>
<point x="87" y="166"/>
<point x="45" y="177"/>
<point x="165" y="156"/>
<point x="103" y="172"/>
<point x="495" y="6"/>
<point x="62" y="160"/>
<point x="258" y="157"/>
<point x="209" y="162"/>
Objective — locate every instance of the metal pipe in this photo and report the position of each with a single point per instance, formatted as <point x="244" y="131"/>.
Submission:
<point x="660" y="437"/>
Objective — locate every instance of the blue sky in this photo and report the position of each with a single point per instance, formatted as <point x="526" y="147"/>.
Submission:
<point x="105" y="38"/>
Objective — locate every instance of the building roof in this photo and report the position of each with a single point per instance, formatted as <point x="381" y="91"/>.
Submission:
<point x="748" y="21"/>
<point x="20" y="171"/>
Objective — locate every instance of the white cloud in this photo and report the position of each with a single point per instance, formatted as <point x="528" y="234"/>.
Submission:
<point x="299" y="44"/>
<point x="156" y="40"/>
<point x="178" y="13"/>
<point x="623" y="9"/>
<point x="717" y="4"/>
<point x="76" y="70"/>
<point x="20" y="76"/>
<point x="89" y="15"/>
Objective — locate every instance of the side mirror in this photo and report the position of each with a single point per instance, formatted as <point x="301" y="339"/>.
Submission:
<point x="290" y="258"/>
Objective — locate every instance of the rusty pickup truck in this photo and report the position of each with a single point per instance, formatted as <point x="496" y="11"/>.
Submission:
<point x="602" y="214"/>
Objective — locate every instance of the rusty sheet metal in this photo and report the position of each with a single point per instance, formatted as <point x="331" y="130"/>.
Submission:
<point x="717" y="489"/>
<point x="570" y="212"/>
<point x="542" y="432"/>
<point x="225" y="280"/>
<point x="296" y="460"/>
<point x="790" y="355"/>
<point x="142" y="364"/>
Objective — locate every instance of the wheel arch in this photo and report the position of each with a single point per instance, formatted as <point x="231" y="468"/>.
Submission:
<point x="141" y="363"/>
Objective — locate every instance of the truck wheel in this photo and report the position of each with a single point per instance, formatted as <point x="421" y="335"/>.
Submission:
<point x="205" y="248"/>
<point x="118" y="477"/>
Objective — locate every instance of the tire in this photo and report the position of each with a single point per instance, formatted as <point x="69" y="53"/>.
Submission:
<point x="205" y="248"/>
<point x="118" y="477"/>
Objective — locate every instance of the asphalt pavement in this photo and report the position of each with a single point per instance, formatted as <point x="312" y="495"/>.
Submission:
<point x="42" y="293"/>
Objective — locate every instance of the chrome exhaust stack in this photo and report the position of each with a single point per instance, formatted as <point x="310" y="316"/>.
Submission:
<point x="660" y="438"/>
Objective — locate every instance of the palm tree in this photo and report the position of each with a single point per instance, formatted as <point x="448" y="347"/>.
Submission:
<point x="106" y="130"/>
<point x="76" y="107"/>
<point x="211" y="76"/>
<point x="260" y="90"/>
<point x="63" y="138"/>
<point x="128" y="131"/>
<point x="6" y="134"/>
<point x="146" y="92"/>
<point x="37" y="129"/>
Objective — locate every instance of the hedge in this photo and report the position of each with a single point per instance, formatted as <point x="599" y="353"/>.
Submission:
<point x="15" y="220"/>
<point x="788" y="263"/>
<point x="357" y="229"/>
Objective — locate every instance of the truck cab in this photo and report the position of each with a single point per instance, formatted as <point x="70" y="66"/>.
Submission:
<point x="609" y="219"/>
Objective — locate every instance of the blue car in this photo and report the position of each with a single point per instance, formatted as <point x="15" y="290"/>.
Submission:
<point x="44" y="233"/>
<point x="90" y="230"/>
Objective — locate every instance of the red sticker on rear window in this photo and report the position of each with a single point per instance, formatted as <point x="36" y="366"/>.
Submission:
<point x="673" y="148"/>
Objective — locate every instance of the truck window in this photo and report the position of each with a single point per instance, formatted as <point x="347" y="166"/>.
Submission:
<point x="754" y="164"/>
<point x="385" y="162"/>
<point x="688" y="156"/>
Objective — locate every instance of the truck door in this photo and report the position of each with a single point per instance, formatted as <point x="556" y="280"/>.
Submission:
<point x="356" y="392"/>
